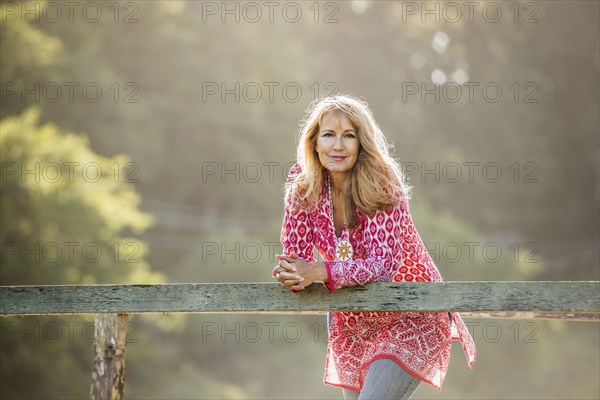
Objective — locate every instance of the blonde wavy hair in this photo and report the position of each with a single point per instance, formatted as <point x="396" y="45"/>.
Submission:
<point x="376" y="181"/>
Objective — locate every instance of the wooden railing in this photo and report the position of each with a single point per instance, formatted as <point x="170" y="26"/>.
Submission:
<point x="564" y="300"/>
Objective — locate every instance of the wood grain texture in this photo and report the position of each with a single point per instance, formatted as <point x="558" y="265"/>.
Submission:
<point x="534" y="298"/>
<point x="108" y="366"/>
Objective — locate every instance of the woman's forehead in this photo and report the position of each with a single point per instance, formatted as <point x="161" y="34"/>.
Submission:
<point x="336" y="118"/>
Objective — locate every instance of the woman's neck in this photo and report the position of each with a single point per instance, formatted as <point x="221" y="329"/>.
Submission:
<point x="338" y="182"/>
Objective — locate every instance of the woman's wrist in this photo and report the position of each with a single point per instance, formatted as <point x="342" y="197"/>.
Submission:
<point x="320" y="271"/>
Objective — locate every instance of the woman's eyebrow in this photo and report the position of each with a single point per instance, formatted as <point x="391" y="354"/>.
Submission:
<point x="347" y="130"/>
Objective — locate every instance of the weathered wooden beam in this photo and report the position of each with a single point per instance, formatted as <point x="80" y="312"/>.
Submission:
<point x="555" y="315"/>
<point x="538" y="297"/>
<point x="108" y="367"/>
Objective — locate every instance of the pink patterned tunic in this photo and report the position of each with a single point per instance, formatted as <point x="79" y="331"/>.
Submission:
<point x="387" y="248"/>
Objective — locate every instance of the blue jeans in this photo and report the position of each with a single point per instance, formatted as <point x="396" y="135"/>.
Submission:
<point x="385" y="380"/>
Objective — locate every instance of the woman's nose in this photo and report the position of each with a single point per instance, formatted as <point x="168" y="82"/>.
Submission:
<point x="338" y="142"/>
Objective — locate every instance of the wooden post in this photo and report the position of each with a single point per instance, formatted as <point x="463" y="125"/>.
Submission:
<point x="108" y="367"/>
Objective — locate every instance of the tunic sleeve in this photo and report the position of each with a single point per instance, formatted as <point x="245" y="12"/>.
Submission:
<point x="417" y="264"/>
<point x="296" y="231"/>
<point x="383" y="237"/>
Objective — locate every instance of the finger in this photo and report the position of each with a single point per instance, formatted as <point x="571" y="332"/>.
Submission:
<point x="290" y="257"/>
<point x="292" y="281"/>
<point x="290" y="284"/>
<point x="277" y="274"/>
<point x="283" y="276"/>
<point x="286" y="258"/>
<point x="289" y="280"/>
<point x="277" y="270"/>
<point x="282" y="279"/>
<point x="287" y="266"/>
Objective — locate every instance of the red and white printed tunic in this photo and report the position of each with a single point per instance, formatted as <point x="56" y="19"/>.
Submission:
<point x="387" y="248"/>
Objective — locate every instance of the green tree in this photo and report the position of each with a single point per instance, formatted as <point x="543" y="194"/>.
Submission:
<point x="68" y="214"/>
<point x="48" y="217"/>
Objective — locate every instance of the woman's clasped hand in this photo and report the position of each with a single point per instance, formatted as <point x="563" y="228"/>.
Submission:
<point x="293" y="273"/>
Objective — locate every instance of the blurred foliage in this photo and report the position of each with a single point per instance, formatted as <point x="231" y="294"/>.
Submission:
<point x="45" y="202"/>
<point x="190" y="225"/>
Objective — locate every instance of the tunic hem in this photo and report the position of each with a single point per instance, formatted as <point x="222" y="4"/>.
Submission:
<point x="392" y="357"/>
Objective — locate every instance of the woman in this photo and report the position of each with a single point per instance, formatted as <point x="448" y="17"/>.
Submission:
<point x="347" y="198"/>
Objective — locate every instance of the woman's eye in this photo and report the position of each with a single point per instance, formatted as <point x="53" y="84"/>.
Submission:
<point x="351" y="135"/>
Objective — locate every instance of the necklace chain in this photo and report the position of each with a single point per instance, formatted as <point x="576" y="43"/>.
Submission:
<point x="343" y="247"/>
<point x="331" y="207"/>
<point x="330" y="203"/>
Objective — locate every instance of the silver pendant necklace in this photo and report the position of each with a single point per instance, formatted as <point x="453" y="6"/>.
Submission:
<point x="343" y="247"/>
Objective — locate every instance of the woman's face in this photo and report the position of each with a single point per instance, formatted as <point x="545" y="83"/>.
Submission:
<point x="337" y="143"/>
